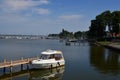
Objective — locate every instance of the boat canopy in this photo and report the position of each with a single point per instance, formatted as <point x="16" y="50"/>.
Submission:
<point x="49" y="52"/>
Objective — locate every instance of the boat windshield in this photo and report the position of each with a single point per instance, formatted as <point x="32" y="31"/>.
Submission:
<point x="52" y="56"/>
<point x="43" y="56"/>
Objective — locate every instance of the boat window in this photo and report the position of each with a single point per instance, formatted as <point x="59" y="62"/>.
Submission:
<point x="52" y="56"/>
<point x="43" y="56"/>
<point x="58" y="56"/>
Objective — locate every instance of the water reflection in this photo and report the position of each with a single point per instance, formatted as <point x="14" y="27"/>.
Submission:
<point x="51" y="74"/>
<point x="105" y="60"/>
<point x="48" y="74"/>
<point x="15" y="76"/>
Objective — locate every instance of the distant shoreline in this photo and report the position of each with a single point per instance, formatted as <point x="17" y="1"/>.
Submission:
<point x="32" y="37"/>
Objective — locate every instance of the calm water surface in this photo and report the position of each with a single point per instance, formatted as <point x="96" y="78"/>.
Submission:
<point x="83" y="62"/>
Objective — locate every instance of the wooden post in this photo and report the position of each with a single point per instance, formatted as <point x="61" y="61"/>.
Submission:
<point x="4" y="61"/>
<point x="10" y="69"/>
<point x="11" y="63"/>
<point x="28" y="63"/>
<point x="4" y="66"/>
<point x="21" y="64"/>
<point x="4" y="70"/>
<point x="27" y="66"/>
<point x="11" y="66"/>
<point x="21" y="67"/>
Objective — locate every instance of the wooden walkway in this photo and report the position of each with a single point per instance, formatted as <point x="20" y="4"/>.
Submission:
<point x="11" y="63"/>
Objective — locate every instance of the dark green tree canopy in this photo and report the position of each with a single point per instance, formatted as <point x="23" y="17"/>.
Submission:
<point x="106" y="19"/>
<point x="70" y="35"/>
<point x="78" y="34"/>
<point x="65" y="34"/>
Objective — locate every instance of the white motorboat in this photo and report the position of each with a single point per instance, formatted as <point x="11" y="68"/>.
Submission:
<point x="49" y="59"/>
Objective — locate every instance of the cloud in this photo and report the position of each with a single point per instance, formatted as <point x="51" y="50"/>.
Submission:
<point x="21" y="16"/>
<point x="21" y="5"/>
<point x="17" y="4"/>
<point x="42" y="11"/>
<point x="18" y="24"/>
<point x="69" y="17"/>
<point x="44" y="1"/>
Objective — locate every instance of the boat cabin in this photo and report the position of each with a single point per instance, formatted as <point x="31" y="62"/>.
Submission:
<point x="51" y="54"/>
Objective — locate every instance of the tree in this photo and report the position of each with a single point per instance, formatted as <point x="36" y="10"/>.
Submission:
<point x="78" y="34"/>
<point x="97" y="29"/>
<point x="105" y="17"/>
<point x="116" y="22"/>
<point x="65" y="34"/>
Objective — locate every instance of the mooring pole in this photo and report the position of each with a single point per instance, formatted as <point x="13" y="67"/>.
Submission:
<point x="11" y="66"/>
<point x="21" y="67"/>
<point x="21" y="64"/>
<point x="10" y="69"/>
<point x="4" y="66"/>
<point x="28" y="63"/>
<point x="27" y="66"/>
<point x="4" y="70"/>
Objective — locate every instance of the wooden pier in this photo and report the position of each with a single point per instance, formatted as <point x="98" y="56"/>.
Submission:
<point x="13" y="63"/>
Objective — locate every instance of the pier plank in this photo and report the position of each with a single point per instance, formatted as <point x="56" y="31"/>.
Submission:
<point x="16" y="62"/>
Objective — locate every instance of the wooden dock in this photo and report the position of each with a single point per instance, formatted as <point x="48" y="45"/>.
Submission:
<point x="13" y="63"/>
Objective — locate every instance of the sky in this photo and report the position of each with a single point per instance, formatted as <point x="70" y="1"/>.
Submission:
<point x="43" y="17"/>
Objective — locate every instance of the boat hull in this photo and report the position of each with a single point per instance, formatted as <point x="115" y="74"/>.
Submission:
<point x="53" y="64"/>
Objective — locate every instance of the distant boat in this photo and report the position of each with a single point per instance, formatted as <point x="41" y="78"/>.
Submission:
<point x="72" y="40"/>
<point x="49" y="59"/>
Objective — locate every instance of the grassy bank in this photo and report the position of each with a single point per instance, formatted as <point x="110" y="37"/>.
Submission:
<point x="111" y="45"/>
<point x="104" y="43"/>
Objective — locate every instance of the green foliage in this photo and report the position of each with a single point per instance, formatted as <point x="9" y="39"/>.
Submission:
<point x="65" y="34"/>
<point x="69" y="35"/>
<point x="116" y="22"/>
<point x="104" y="43"/>
<point x="53" y="35"/>
<point x="78" y="34"/>
<point x="97" y="30"/>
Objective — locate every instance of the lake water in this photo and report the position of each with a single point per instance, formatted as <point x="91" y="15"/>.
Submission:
<point x="83" y="62"/>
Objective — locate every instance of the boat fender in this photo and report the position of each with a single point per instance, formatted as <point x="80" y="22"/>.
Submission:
<point x="58" y="63"/>
<point x="51" y="66"/>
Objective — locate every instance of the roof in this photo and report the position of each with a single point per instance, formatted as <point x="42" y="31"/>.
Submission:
<point x="51" y="52"/>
